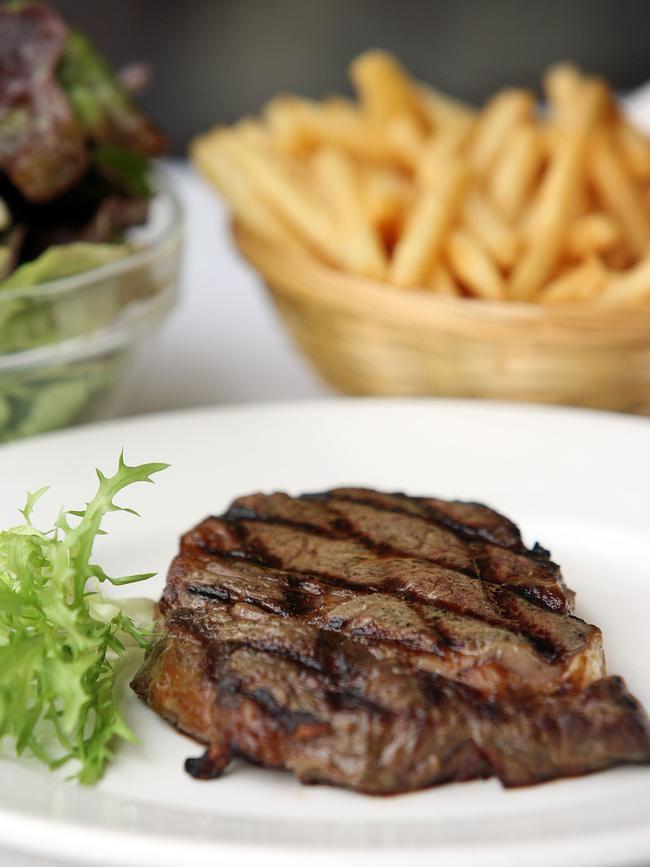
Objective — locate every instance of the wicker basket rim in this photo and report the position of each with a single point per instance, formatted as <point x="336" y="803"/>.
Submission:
<point x="300" y="274"/>
<point x="322" y="291"/>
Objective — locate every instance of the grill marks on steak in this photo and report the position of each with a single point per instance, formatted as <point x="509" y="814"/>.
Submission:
<point x="383" y="643"/>
<point x="284" y="694"/>
<point x="401" y="583"/>
<point x="488" y="547"/>
<point x="439" y="621"/>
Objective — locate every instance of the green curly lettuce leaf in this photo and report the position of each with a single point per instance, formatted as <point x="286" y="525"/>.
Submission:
<point x="61" y="643"/>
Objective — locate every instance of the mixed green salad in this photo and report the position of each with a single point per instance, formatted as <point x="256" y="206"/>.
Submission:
<point x="62" y="643"/>
<point x="75" y="175"/>
<point x="74" y="149"/>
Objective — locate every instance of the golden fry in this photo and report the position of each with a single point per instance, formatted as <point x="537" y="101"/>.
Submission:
<point x="618" y="193"/>
<point x="385" y="89"/>
<point x="299" y="125"/>
<point x="417" y="249"/>
<point x="516" y="170"/>
<point x="563" y="179"/>
<point x="629" y="287"/>
<point x="585" y="282"/>
<point x="634" y="148"/>
<point x="386" y="196"/>
<point x="442" y="283"/>
<point x="489" y="228"/>
<point x="406" y="139"/>
<point x="562" y="85"/>
<point x="361" y="244"/>
<point x="285" y="118"/>
<point x="436" y="152"/>
<point x="592" y="233"/>
<point x="444" y="113"/>
<point x="280" y="188"/>
<point x="499" y="117"/>
<point x="474" y="267"/>
<point x="211" y="153"/>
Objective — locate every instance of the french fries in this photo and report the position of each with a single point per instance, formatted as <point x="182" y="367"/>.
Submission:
<point x="415" y="252"/>
<point x="494" y="233"/>
<point x="499" y="117"/>
<point x="629" y="287"/>
<point x="283" y="192"/>
<point x="387" y="198"/>
<point x="360" y="242"/>
<point x="443" y="112"/>
<point x="592" y="233"/>
<point x="618" y="193"/>
<point x="442" y="282"/>
<point x="385" y="89"/>
<point x="474" y="267"/>
<point x="559" y="189"/>
<point x="213" y="155"/>
<point x="409" y="186"/>
<point x="582" y="283"/>
<point x="635" y="151"/>
<point x="517" y="168"/>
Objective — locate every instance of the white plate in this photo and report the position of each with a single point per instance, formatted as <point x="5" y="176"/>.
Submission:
<point x="576" y="480"/>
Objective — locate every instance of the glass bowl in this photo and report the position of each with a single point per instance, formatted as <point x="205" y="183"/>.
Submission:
<point x="66" y="346"/>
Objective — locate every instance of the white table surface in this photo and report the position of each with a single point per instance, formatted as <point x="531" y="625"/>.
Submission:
<point x="224" y="343"/>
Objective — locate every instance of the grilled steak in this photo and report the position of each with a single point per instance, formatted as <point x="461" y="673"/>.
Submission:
<point x="384" y="643"/>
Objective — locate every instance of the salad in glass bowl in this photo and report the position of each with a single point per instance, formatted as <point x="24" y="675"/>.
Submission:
<point x="90" y="231"/>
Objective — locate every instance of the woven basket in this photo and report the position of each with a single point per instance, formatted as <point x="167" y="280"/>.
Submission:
<point x="370" y="338"/>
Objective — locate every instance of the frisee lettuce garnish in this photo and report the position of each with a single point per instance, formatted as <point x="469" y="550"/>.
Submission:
<point x="59" y="650"/>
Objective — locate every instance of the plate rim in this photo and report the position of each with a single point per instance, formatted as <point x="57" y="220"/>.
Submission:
<point x="334" y="402"/>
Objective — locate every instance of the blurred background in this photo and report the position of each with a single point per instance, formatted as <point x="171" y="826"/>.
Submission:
<point x="217" y="59"/>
